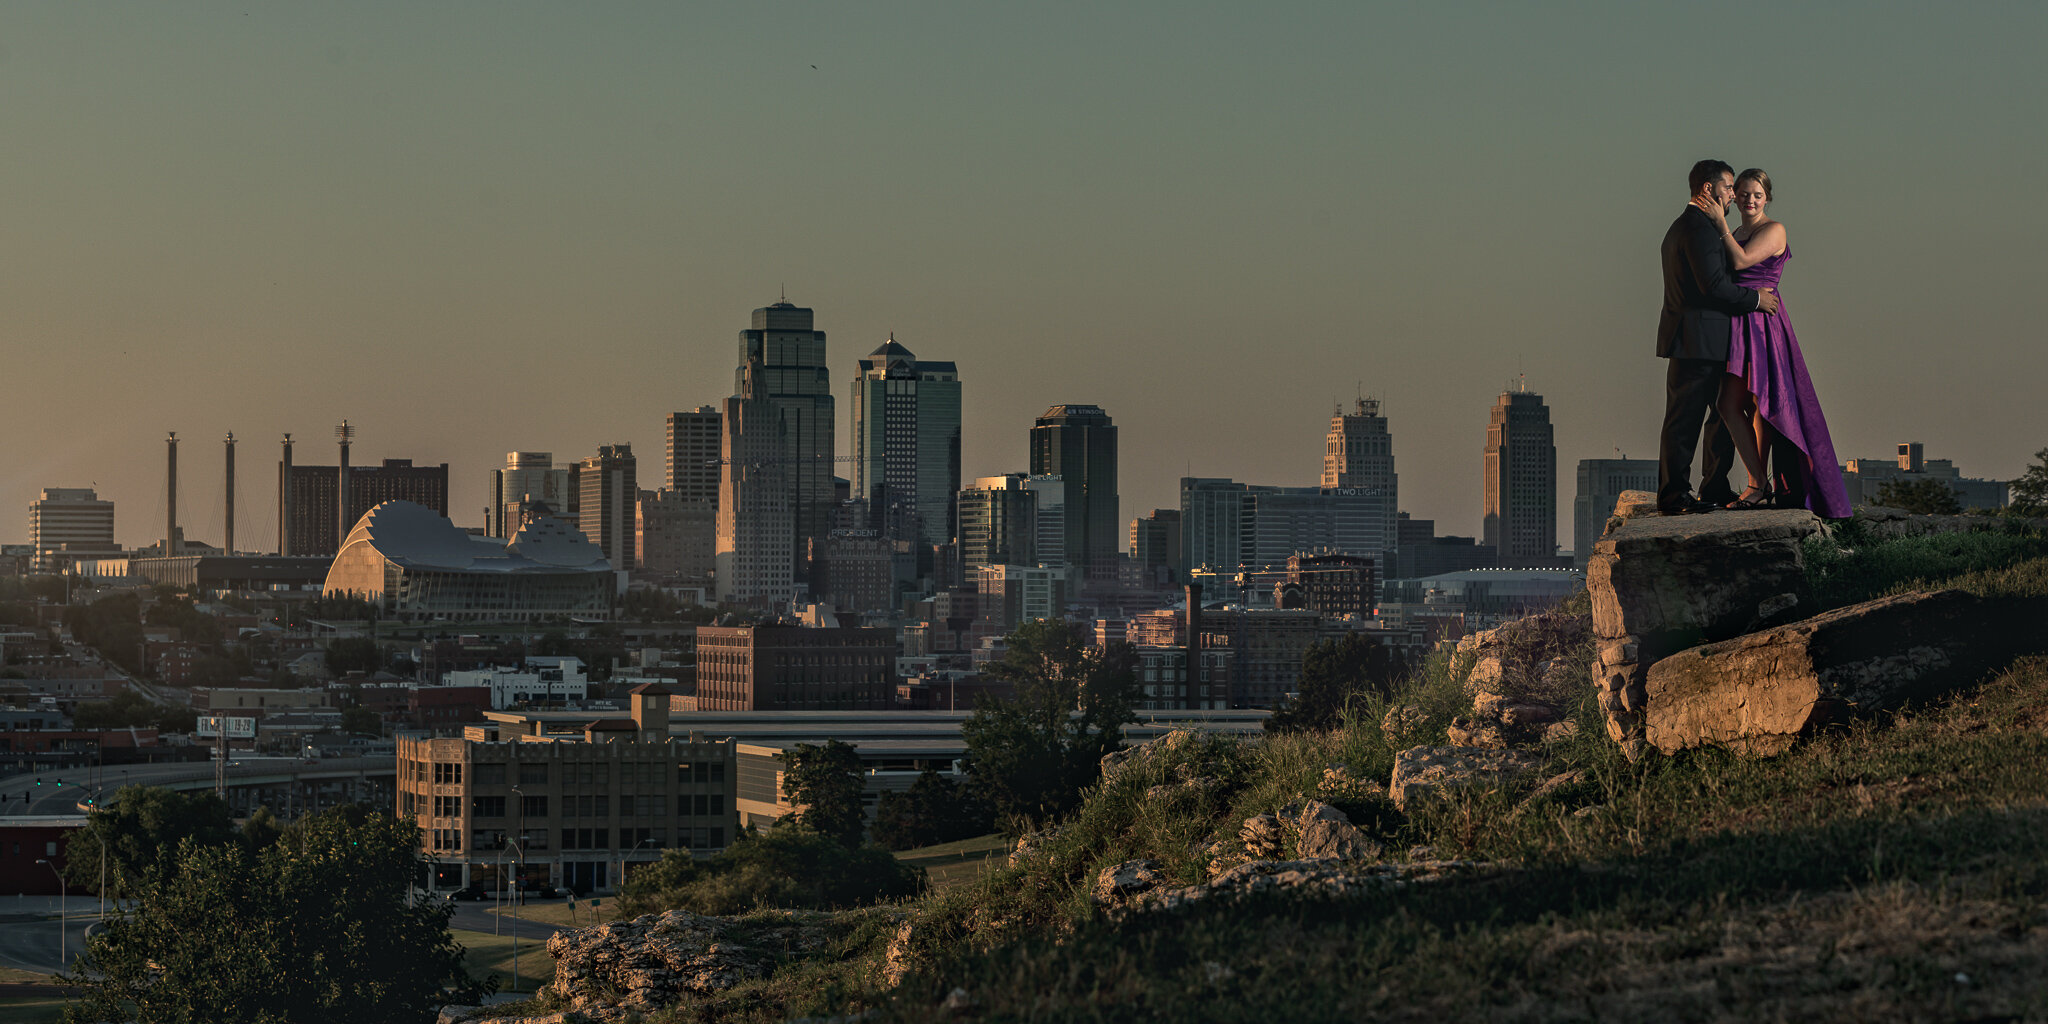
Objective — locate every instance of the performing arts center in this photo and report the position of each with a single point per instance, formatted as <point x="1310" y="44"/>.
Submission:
<point x="417" y="566"/>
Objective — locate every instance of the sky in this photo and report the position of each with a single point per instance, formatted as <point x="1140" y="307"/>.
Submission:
<point x="474" y="228"/>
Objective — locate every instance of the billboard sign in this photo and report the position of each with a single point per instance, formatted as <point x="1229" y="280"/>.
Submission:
<point x="238" y="728"/>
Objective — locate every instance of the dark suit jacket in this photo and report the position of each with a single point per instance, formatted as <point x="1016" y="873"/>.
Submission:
<point x="1700" y="292"/>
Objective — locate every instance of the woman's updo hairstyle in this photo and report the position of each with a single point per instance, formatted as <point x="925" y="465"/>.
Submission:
<point x="1757" y="175"/>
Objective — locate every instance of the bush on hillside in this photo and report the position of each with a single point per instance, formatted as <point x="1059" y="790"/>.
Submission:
<point x="786" y="867"/>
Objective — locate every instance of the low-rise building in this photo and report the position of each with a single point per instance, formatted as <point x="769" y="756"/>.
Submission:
<point x="578" y="809"/>
<point x="790" y="668"/>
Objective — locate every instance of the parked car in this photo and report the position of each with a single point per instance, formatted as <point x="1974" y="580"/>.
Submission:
<point x="472" y="891"/>
<point x="542" y="891"/>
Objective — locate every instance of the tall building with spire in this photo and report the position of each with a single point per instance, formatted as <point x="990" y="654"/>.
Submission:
<point x="906" y="438"/>
<point x="1358" y="453"/>
<point x="1077" y="443"/>
<point x="790" y="375"/>
<point x="1521" y="481"/>
<point x="755" y="558"/>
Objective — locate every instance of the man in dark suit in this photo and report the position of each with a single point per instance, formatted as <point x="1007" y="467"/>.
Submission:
<point x="1700" y="294"/>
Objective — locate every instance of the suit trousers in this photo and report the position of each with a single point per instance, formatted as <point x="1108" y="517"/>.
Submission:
<point x="1690" y="388"/>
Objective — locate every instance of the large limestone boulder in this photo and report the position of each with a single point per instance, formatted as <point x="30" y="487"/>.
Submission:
<point x="1758" y="693"/>
<point x="1661" y="584"/>
<point x="1420" y="772"/>
<point x="652" y="961"/>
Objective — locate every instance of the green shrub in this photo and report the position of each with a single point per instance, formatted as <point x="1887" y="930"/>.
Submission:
<point x="788" y="867"/>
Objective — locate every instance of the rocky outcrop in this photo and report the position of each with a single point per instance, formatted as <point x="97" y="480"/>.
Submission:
<point x="650" y="962"/>
<point x="1316" y="877"/>
<point x="1520" y="677"/>
<point x="1423" y="772"/>
<point x="1313" y="830"/>
<point x="1758" y="693"/>
<point x="1662" y="584"/>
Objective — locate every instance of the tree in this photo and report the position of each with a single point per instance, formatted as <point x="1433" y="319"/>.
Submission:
<point x="1334" y="673"/>
<point x="2029" y="493"/>
<point x="317" y="928"/>
<point x="353" y="654"/>
<point x="824" y="784"/>
<point x="1924" y="497"/>
<point x="935" y="809"/>
<point x="1031" y="756"/>
<point x="143" y="832"/>
<point x="362" y="721"/>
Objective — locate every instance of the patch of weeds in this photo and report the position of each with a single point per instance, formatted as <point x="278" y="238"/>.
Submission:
<point x="1849" y="566"/>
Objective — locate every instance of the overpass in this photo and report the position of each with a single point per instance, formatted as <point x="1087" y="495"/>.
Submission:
<point x="289" y="786"/>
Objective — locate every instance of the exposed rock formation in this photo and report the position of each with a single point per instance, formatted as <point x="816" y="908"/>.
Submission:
<point x="1320" y="877"/>
<point x="1420" y="772"/>
<point x="1758" y="692"/>
<point x="652" y="961"/>
<point x="1661" y="584"/>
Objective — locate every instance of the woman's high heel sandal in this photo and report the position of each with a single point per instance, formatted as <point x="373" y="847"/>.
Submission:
<point x="1761" y="500"/>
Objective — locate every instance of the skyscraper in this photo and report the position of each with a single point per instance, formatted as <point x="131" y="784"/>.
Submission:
<point x="906" y="437"/>
<point x="1358" y="452"/>
<point x="1601" y="482"/>
<point x="610" y="506"/>
<point x="755" y="559"/>
<point x="526" y="476"/>
<point x="1077" y="443"/>
<point x="1521" y="482"/>
<point x="693" y="455"/>
<point x="998" y="522"/>
<point x="793" y="379"/>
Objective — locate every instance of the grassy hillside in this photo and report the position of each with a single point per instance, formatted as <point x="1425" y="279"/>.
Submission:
<point x="1888" y="869"/>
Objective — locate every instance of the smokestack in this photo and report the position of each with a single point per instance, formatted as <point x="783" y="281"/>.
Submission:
<point x="230" y="541"/>
<point x="284" y="500"/>
<point x="1194" y="641"/>
<point x="171" y="494"/>
<point x="343" y="434"/>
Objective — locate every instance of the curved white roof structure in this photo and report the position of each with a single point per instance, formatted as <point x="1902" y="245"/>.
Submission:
<point x="419" y="565"/>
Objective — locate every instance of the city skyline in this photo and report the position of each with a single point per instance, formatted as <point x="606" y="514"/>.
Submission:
<point x="272" y="223"/>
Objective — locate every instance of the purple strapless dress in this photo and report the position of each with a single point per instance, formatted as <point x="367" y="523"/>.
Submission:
<point x="1764" y="352"/>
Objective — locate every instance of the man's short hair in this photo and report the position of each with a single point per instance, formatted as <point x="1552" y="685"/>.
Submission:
<point x="1706" y="171"/>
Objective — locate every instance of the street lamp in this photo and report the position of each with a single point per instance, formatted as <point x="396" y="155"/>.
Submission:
<point x="519" y="850"/>
<point x="63" y="920"/>
<point x="629" y="853"/>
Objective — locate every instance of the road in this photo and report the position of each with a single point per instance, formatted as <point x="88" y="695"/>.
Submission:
<point x="41" y="793"/>
<point x="31" y="944"/>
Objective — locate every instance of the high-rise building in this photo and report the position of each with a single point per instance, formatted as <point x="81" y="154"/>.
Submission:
<point x="676" y="537"/>
<point x="793" y="378"/>
<point x="755" y="555"/>
<point x="1521" y="482"/>
<point x="527" y="477"/>
<point x="1156" y="546"/>
<point x="693" y="455"/>
<point x="1015" y="594"/>
<point x="1358" y="452"/>
<point x="1077" y="443"/>
<point x="313" y="511"/>
<point x="67" y="520"/>
<point x="610" y="505"/>
<point x="1049" y="512"/>
<point x="998" y="522"/>
<point x="1228" y="526"/>
<point x="906" y="437"/>
<point x="1601" y="482"/>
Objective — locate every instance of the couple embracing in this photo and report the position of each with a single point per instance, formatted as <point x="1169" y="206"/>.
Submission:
<point x="1734" y="362"/>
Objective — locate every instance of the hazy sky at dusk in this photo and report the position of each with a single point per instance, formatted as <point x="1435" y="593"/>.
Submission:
<point x="473" y="228"/>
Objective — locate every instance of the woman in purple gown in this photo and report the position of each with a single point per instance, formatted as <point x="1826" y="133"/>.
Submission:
<point x="1767" y="387"/>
